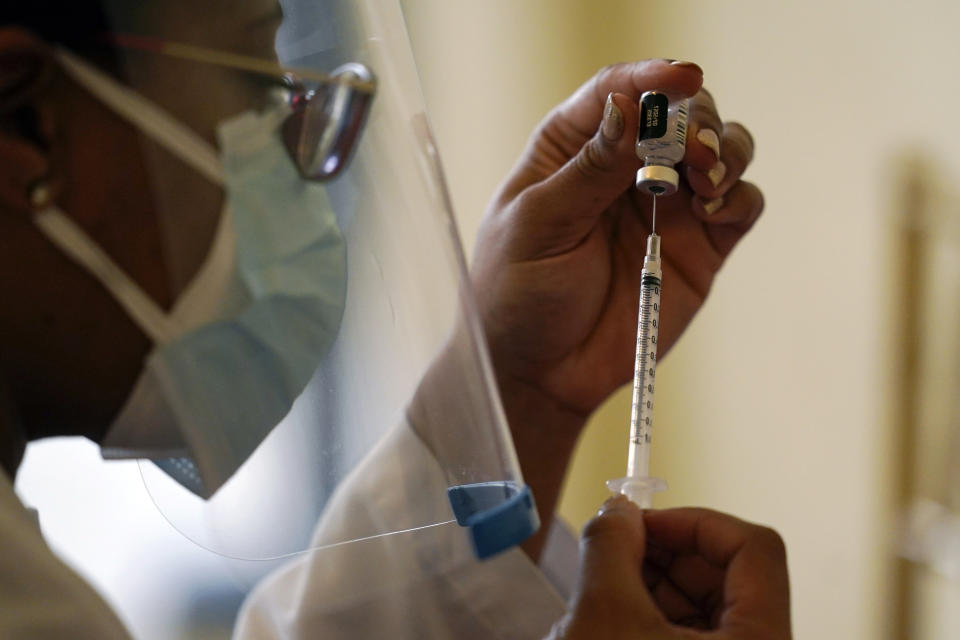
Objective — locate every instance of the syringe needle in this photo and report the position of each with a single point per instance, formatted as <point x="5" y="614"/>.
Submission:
<point x="653" y="227"/>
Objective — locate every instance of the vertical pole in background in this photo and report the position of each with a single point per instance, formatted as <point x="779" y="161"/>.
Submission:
<point x="909" y="280"/>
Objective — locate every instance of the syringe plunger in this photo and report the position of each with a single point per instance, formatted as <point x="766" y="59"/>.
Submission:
<point x="638" y="490"/>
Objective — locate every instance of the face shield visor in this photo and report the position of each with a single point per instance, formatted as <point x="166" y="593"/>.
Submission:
<point x="320" y="359"/>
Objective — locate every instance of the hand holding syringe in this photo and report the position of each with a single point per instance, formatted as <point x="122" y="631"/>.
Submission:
<point x="661" y="140"/>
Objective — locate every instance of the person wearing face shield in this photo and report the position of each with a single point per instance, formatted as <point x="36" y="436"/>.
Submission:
<point x="215" y="256"/>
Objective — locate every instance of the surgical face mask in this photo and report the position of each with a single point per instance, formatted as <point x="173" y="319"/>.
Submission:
<point x="242" y="341"/>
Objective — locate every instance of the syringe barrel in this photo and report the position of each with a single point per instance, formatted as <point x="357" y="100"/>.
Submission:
<point x="648" y="328"/>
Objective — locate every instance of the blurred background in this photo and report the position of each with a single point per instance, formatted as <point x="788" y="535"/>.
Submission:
<point x="784" y="401"/>
<point x="817" y="392"/>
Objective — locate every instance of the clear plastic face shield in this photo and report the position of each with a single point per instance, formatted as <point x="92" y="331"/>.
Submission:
<point x="318" y="358"/>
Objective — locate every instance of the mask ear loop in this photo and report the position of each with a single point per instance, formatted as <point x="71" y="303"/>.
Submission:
<point x="145" y="116"/>
<point x="74" y="241"/>
<point x="70" y="238"/>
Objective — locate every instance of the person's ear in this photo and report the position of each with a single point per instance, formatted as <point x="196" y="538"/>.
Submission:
<point x="27" y="123"/>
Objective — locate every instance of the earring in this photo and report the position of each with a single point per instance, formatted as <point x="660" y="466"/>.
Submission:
<point x="40" y="195"/>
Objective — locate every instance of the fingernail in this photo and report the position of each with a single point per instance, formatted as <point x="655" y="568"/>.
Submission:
<point x="612" y="502"/>
<point x="712" y="206"/>
<point x="709" y="138"/>
<point x="612" y="126"/>
<point x="684" y="63"/>
<point x="717" y="173"/>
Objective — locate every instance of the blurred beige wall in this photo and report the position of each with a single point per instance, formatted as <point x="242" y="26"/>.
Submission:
<point x="775" y="404"/>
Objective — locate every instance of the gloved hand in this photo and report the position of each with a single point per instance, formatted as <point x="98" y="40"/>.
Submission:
<point x="559" y="253"/>
<point x="677" y="574"/>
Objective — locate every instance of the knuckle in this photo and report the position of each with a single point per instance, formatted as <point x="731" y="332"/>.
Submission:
<point x="736" y="133"/>
<point x="753" y="199"/>
<point x="708" y="119"/>
<point x="702" y="107"/>
<point x="743" y="130"/>
<point x="592" y="159"/>
<point x="609" y="69"/>
<point x="602" y="79"/>
<point x="704" y="116"/>
<point x="761" y="202"/>
<point x="771" y="542"/>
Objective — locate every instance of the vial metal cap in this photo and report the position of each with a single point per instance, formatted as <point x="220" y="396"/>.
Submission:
<point x="658" y="180"/>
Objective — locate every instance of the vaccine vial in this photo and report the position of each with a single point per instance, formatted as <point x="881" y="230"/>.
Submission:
<point x="661" y="141"/>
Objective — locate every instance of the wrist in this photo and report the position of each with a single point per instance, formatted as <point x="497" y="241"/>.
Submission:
<point x="538" y="417"/>
<point x="545" y="433"/>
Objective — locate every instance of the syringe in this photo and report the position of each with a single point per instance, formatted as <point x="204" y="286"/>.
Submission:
<point x="661" y="141"/>
<point x="638" y="485"/>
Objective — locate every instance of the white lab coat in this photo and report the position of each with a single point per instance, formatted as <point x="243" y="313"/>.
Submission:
<point x="419" y="584"/>
<point x="40" y="597"/>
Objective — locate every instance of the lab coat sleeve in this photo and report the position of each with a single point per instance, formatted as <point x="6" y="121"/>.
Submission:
<point x="422" y="582"/>
<point x="40" y="597"/>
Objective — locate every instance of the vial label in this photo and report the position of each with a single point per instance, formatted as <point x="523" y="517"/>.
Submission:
<point x="682" y="113"/>
<point x="653" y="116"/>
<point x="662" y="130"/>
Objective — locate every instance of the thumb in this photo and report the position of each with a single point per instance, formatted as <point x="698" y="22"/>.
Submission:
<point x="565" y="206"/>
<point x="611" y="595"/>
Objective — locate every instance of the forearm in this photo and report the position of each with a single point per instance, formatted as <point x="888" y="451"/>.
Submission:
<point x="544" y="434"/>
